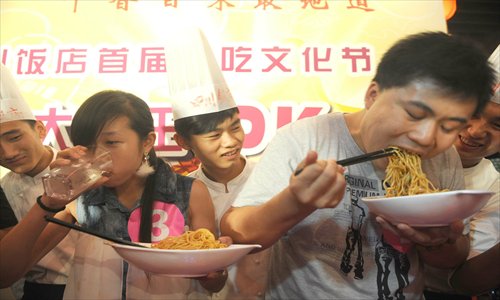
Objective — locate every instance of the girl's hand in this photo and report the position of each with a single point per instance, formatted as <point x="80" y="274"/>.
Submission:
<point x="52" y="205"/>
<point x="69" y="156"/>
<point x="226" y="240"/>
<point x="214" y="281"/>
<point x="72" y="162"/>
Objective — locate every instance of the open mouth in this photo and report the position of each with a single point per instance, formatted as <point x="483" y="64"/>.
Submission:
<point x="230" y="154"/>
<point x="469" y="142"/>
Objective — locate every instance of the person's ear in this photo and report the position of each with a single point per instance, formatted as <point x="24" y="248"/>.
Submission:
<point x="149" y="142"/>
<point x="371" y="94"/>
<point x="181" y="142"/>
<point x="40" y="129"/>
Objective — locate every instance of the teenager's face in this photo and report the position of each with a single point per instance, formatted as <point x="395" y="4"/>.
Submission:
<point x="481" y="137"/>
<point x="419" y="118"/>
<point x="127" y="150"/>
<point x="21" y="148"/>
<point x="220" y="148"/>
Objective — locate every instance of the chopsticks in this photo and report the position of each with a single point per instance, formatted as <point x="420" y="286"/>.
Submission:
<point x="362" y="158"/>
<point x="94" y="233"/>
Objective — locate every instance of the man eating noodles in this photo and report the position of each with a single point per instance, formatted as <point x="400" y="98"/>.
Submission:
<point x="326" y="244"/>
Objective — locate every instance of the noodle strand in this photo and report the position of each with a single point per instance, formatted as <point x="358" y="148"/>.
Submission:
<point x="404" y="176"/>
<point x="190" y="240"/>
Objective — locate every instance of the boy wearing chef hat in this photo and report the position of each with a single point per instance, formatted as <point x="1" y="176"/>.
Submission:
<point x="23" y="153"/>
<point x="480" y="139"/>
<point x="207" y="123"/>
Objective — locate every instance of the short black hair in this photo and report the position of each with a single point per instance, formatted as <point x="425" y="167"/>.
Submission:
<point x="31" y="123"/>
<point x="200" y="124"/>
<point x="455" y="65"/>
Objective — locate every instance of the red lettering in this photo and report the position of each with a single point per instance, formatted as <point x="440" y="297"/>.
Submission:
<point x="113" y="60"/>
<point x="229" y="55"/>
<point x="276" y="61"/>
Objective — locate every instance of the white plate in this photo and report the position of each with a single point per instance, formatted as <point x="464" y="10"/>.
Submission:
<point x="429" y="210"/>
<point x="182" y="263"/>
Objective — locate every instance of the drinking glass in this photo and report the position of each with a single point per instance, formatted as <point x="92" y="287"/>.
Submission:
<point x="68" y="182"/>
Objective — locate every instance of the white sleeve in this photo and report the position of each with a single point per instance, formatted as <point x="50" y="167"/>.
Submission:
<point x="485" y="227"/>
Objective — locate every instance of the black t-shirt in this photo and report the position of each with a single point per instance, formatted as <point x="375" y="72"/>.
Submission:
<point x="7" y="217"/>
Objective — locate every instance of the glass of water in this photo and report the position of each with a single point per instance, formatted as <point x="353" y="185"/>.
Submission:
<point x="68" y="182"/>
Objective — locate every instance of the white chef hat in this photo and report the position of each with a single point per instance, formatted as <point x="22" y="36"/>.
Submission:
<point x="13" y="107"/>
<point x="495" y="61"/>
<point x="195" y="81"/>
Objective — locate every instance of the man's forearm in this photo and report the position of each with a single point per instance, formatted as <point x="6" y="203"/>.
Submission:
<point x="478" y="274"/>
<point x="264" y="224"/>
<point x="25" y="244"/>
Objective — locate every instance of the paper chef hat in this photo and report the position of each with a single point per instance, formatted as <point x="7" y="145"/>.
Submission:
<point x="13" y="107"/>
<point x="195" y="81"/>
<point x="495" y="62"/>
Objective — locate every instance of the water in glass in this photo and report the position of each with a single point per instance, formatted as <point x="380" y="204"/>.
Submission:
<point x="69" y="182"/>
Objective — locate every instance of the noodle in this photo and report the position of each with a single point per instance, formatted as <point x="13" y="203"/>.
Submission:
<point x="190" y="240"/>
<point x="404" y="176"/>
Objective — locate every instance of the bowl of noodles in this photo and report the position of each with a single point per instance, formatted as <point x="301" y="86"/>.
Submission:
<point x="193" y="254"/>
<point x="429" y="210"/>
<point x="412" y="199"/>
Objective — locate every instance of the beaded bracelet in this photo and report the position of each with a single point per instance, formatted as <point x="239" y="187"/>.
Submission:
<point x="52" y="210"/>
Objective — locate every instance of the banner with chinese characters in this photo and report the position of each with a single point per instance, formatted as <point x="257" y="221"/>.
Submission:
<point x="283" y="59"/>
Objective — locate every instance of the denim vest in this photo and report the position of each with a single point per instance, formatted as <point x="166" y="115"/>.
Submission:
<point x="100" y="210"/>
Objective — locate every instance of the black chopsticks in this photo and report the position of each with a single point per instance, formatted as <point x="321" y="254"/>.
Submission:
<point x="362" y="158"/>
<point x="94" y="233"/>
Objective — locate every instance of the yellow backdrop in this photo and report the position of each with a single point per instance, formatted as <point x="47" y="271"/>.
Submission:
<point x="283" y="59"/>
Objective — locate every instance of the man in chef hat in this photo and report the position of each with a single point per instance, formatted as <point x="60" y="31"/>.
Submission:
<point x="207" y="123"/>
<point x="480" y="139"/>
<point x="23" y="153"/>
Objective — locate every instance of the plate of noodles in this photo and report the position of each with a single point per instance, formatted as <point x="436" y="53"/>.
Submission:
<point x="429" y="210"/>
<point x="193" y="254"/>
<point x="411" y="197"/>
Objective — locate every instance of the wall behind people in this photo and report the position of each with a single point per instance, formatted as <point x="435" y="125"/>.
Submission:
<point x="284" y="60"/>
